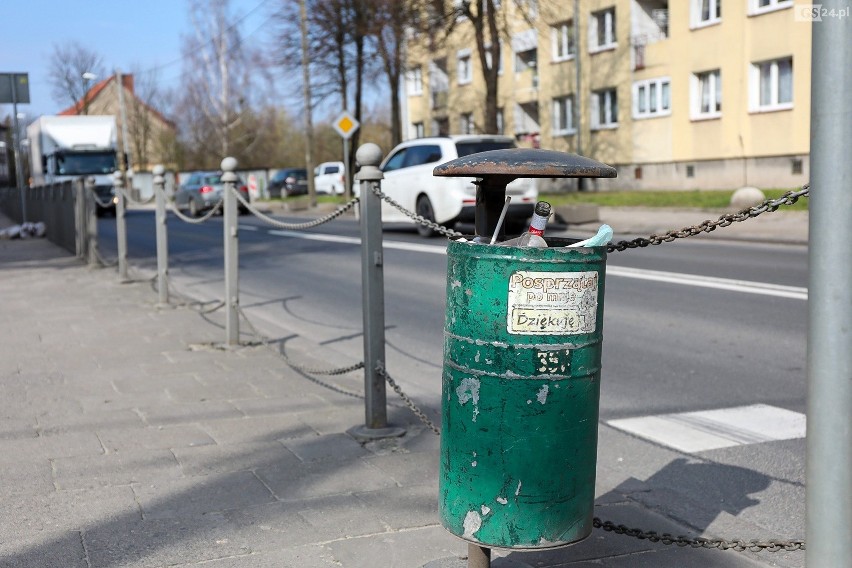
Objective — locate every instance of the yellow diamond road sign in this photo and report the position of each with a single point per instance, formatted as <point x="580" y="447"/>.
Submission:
<point x="345" y="124"/>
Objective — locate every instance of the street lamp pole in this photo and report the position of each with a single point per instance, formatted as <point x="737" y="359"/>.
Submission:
<point x="88" y="77"/>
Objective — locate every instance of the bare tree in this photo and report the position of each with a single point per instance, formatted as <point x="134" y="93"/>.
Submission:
<point x="223" y="83"/>
<point x="141" y="107"/>
<point x="483" y="16"/>
<point x="69" y="62"/>
<point x="392" y="21"/>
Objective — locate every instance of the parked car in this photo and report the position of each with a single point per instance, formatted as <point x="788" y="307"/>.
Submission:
<point x="289" y="181"/>
<point x="408" y="180"/>
<point x="203" y="190"/>
<point x="330" y="177"/>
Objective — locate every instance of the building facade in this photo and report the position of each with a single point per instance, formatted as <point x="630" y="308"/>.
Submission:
<point x="150" y="135"/>
<point x="682" y="94"/>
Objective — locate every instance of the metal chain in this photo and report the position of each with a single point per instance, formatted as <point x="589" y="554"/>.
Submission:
<point x="380" y="369"/>
<point x="738" y="545"/>
<point x="262" y="340"/>
<point x="722" y="544"/>
<point x="788" y="198"/>
<point x="130" y="199"/>
<point x="94" y="193"/>
<point x="198" y="220"/>
<point x="418" y="218"/>
<point x="295" y="226"/>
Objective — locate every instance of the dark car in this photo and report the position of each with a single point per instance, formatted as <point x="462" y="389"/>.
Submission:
<point x="289" y="181"/>
<point x="203" y="190"/>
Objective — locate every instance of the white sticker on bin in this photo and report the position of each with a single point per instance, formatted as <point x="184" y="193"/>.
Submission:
<point x="552" y="303"/>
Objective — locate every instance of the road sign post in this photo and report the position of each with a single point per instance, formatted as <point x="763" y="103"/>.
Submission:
<point x="345" y="124"/>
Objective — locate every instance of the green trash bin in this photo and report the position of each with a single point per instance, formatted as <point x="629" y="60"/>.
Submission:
<point x="522" y="357"/>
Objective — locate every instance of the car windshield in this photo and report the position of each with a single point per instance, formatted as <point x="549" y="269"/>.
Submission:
<point x="298" y="174"/>
<point x="86" y="163"/>
<point x="212" y="180"/>
<point x="474" y="146"/>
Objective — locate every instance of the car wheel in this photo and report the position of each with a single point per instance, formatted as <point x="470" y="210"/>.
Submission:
<point x="193" y="208"/>
<point x="424" y="209"/>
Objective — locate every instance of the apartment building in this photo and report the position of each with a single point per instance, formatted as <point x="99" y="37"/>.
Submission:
<point x="676" y="94"/>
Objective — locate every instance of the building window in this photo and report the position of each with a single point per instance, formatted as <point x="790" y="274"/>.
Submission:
<point x="690" y="171"/>
<point x="796" y="166"/>
<point x="562" y="39"/>
<point x="604" y="109"/>
<point x="500" y="121"/>
<point x="652" y="98"/>
<point x="706" y="12"/>
<point x="466" y="123"/>
<point x="772" y="85"/>
<point x="707" y="95"/>
<point x="415" y="81"/>
<point x="464" y="70"/>
<point x="563" y="115"/>
<point x="602" y="30"/>
<point x="419" y="130"/>
<point x="763" y="6"/>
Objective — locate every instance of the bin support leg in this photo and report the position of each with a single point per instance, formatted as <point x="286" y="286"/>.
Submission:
<point x="478" y="556"/>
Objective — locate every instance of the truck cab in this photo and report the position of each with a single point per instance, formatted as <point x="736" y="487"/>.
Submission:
<point x="70" y="147"/>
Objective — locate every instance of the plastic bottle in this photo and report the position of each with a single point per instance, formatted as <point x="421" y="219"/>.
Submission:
<point x="533" y="236"/>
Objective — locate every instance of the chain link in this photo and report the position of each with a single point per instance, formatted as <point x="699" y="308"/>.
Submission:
<point x="380" y="369"/>
<point x="130" y="199"/>
<point x="198" y="220"/>
<point x="104" y="204"/>
<point x="788" y="198"/>
<point x="705" y="227"/>
<point x="738" y="545"/>
<point x="262" y="340"/>
<point x="722" y="544"/>
<point x="418" y="218"/>
<point x="295" y="226"/>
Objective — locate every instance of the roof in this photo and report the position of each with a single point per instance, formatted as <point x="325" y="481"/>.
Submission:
<point x="98" y="88"/>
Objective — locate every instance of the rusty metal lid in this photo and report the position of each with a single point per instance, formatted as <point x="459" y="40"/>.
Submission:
<point x="525" y="163"/>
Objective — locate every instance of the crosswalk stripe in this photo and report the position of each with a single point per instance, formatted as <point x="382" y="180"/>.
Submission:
<point x="693" y="432"/>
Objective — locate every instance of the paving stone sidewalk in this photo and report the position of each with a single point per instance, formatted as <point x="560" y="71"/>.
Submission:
<point x="129" y="438"/>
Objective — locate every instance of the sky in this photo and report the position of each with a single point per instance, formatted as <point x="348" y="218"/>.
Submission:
<point x="127" y="33"/>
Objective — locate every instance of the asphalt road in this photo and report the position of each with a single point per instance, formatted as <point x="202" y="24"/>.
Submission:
<point x="674" y="340"/>
<point x="696" y="325"/>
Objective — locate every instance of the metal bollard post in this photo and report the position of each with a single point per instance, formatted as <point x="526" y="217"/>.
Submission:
<point x="373" y="299"/>
<point x="120" y="225"/>
<point x="232" y="287"/>
<point x="79" y="192"/>
<point x="91" y="212"/>
<point x="162" y="238"/>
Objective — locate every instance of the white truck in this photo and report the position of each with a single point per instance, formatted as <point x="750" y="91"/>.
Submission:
<point x="69" y="147"/>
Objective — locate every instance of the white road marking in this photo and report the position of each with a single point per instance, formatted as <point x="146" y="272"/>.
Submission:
<point x="247" y="228"/>
<point x="744" y="286"/>
<point x="693" y="432"/>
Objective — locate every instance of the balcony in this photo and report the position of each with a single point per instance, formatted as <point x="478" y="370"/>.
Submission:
<point x="650" y="25"/>
<point x="439" y="100"/>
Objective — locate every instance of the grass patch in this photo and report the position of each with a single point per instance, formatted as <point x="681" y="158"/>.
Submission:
<point x="700" y="199"/>
<point x="321" y="198"/>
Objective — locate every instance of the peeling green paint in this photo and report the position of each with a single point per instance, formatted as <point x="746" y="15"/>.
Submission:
<point x="520" y="411"/>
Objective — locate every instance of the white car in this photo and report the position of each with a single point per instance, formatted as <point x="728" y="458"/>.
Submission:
<point x="330" y="177"/>
<point x="409" y="181"/>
